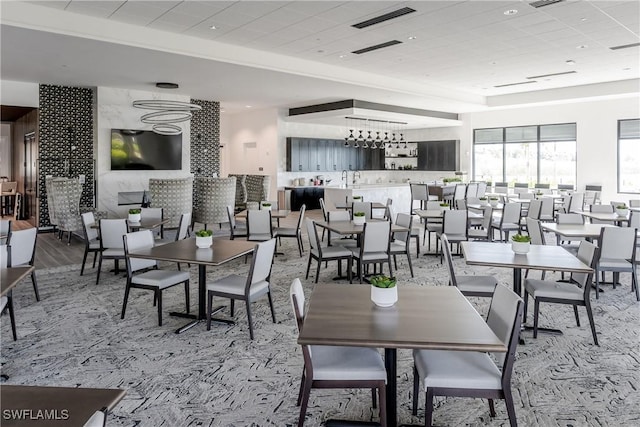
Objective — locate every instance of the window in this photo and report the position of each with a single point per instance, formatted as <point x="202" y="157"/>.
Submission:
<point x="629" y="156"/>
<point x="533" y="154"/>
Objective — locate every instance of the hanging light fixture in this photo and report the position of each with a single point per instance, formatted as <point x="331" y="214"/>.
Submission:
<point x="166" y="113"/>
<point x="350" y="138"/>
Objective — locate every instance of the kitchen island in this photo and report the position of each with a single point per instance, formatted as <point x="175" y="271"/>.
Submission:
<point x="398" y="192"/>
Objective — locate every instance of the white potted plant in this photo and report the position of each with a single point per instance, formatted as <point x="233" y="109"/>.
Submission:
<point x="359" y="218"/>
<point x="357" y="198"/>
<point x="266" y="206"/>
<point x="520" y="244"/>
<point x="204" y="238"/>
<point x="622" y="210"/>
<point x="444" y="206"/>
<point x="134" y="215"/>
<point x="493" y="201"/>
<point x="484" y="201"/>
<point x="384" y="292"/>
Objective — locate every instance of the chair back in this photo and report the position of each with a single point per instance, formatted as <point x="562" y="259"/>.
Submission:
<point x="136" y="241"/>
<point x="616" y="243"/>
<point x="501" y="187"/>
<point x="486" y="218"/>
<point x="303" y="209"/>
<point x="89" y="220"/>
<point x="362" y="207"/>
<point x="565" y="187"/>
<point x="340" y="215"/>
<point x="259" y="223"/>
<point x="482" y="189"/>
<point x="634" y="203"/>
<point x="601" y="208"/>
<point x="183" y="226"/>
<point x="455" y="222"/>
<point x="174" y="196"/>
<point x="511" y="213"/>
<point x="152" y="214"/>
<point x="4" y="256"/>
<point x="312" y="233"/>
<point x="375" y="237"/>
<point x="546" y="208"/>
<point x="460" y="204"/>
<point x="472" y="190"/>
<point x="404" y="220"/>
<point x="460" y="191"/>
<point x="576" y="202"/>
<point x="262" y="263"/>
<point x="231" y="216"/>
<point x="535" y="231"/>
<point x="535" y="206"/>
<point x="390" y="214"/>
<point x="527" y="196"/>
<point x="296" y="294"/>
<point x="538" y="185"/>
<point x="588" y="254"/>
<point x="504" y="319"/>
<point x="324" y="209"/>
<point x="419" y="192"/>
<point x="213" y="195"/>
<point x="446" y="254"/>
<point x="634" y="220"/>
<point x="22" y="247"/>
<point x="111" y="232"/>
<point x="570" y="218"/>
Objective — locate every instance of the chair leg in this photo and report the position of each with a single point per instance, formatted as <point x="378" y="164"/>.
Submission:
<point x="302" y="379"/>
<point x="300" y="247"/>
<point x="395" y="261"/>
<point x="84" y="260"/>
<point x="416" y="391"/>
<point x="126" y="299"/>
<point x="35" y="285"/>
<point x="575" y="312"/>
<point x="249" y="318"/>
<point x="318" y="270"/>
<point x="511" y="410"/>
<point x="305" y="400"/>
<point x="536" y="312"/>
<point x="428" y="412"/>
<point x="309" y="267"/>
<point x="159" y="294"/>
<point x="349" y="269"/>
<point x="390" y="269"/>
<point x="273" y="313"/>
<point x="526" y="305"/>
<point x="12" y="317"/>
<point x="592" y="323"/>
<point x="374" y="400"/>
<point x="232" y="305"/>
<point x="95" y="255"/>
<point x="383" y="404"/>
<point x="597" y="284"/>
<point x="209" y="304"/>
<point x="186" y="295"/>
<point x="492" y="409"/>
<point x="409" y="261"/>
<point x="99" y="267"/>
<point x="634" y="283"/>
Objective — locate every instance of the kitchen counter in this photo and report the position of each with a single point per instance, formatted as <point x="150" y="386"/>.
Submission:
<point x="400" y="193"/>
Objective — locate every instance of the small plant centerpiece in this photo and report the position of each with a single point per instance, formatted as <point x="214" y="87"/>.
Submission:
<point x="539" y="193"/>
<point x="357" y="198"/>
<point x="450" y="180"/>
<point x="444" y="206"/>
<point x="134" y="215"/>
<point x="266" y="206"/>
<point x="493" y="201"/>
<point x="384" y="292"/>
<point x="622" y="210"/>
<point x="204" y="238"/>
<point x="520" y="244"/>
<point x="358" y="218"/>
<point x="484" y="201"/>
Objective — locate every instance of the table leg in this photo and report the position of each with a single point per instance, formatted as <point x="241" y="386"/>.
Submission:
<point x="390" y="362"/>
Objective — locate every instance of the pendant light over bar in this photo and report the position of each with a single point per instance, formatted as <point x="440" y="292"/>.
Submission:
<point x="362" y="126"/>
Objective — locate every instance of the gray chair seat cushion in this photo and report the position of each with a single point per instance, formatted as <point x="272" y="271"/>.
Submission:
<point x="285" y="231"/>
<point x="614" y="264"/>
<point x="476" y="233"/>
<point x="434" y="227"/>
<point x="234" y="285"/>
<point x="398" y="247"/>
<point x="457" y="369"/>
<point x="346" y="243"/>
<point x="332" y="252"/>
<point x="160" y="278"/>
<point x="94" y="244"/>
<point x="505" y="226"/>
<point x="547" y="289"/>
<point x="3" y="302"/>
<point x="455" y="238"/>
<point x="347" y="363"/>
<point x="476" y="283"/>
<point x="260" y="237"/>
<point x="113" y="253"/>
<point x="370" y="256"/>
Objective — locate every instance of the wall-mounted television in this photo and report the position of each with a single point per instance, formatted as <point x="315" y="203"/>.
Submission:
<point x="145" y="150"/>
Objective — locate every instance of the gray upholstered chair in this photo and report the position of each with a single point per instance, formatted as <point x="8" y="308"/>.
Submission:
<point x="65" y="196"/>
<point x="362" y="207"/>
<point x="470" y="286"/>
<point x="483" y="231"/>
<point x="454" y="226"/>
<point x="151" y="278"/>
<point x="6" y="302"/>
<point x="617" y="254"/>
<point x="291" y="232"/>
<point x="337" y="366"/>
<point x="374" y="246"/>
<point x="325" y="253"/>
<point x="509" y="221"/>
<point x="236" y="229"/>
<point x="22" y="252"/>
<point x="470" y="373"/>
<point x="241" y="191"/>
<point x="401" y="243"/>
<point x="91" y="242"/>
<point x="174" y="196"/>
<point x="257" y="187"/>
<point x="246" y="288"/>
<point x="259" y="225"/>
<point x="565" y="293"/>
<point x="214" y="195"/>
<point x="111" y="243"/>
<point x="154" y="214"/>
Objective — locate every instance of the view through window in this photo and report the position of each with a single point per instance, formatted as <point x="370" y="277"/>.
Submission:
<point x="629" y="156"/>
<point x="544" y="154"/>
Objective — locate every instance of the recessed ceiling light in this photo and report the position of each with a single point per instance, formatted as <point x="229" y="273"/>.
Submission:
<point x="582" y="46"/>
<point x="510" y="12"/>
<point x="342" y="56"/>
<point x="626" y="68"/>
<point x="248" y="106"/>
<point x="583" y="19"/>
<point x="494" y="62"/>
<point x="213" y="27"/>
<point x="411" y="37"/>
<point x="320" y="51"/>
<point x="570" y="62"/>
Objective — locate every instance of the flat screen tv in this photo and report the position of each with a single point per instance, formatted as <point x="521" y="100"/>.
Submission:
<point x="145" y="150"/>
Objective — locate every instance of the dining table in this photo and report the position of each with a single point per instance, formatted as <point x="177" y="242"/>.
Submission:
<point x="11" y="276"/>
<point x="609" y="217"/>
<point x="424" y="317"/>
<point x="575" y="231"/>
<point x="275" y="213"/>
<point x="374" y="205"/>
<point x="38" y="406"/>
<point x="221" y="251"/>
<point x="345" y="228"/>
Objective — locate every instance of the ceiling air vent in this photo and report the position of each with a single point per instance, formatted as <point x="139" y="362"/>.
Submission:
<point x="552" y="75"/>
<point x="387" y="16"/>
<point x="543" y="3"/>
<point x="516" y="84"/>
<point x="376" y="47"/>
<point x="625" y="46"/>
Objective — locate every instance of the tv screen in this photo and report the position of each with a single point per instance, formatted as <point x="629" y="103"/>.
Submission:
<point x="145" y="150"/>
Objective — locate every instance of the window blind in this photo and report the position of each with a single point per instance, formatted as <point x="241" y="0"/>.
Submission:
<point x="630" y="129"/>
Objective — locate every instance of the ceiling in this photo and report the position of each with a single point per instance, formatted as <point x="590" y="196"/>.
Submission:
<point x="454" y="55"/>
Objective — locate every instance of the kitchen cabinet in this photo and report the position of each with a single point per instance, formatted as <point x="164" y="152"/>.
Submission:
<point x="439" y="155"/>
<point x="309" y="196"/>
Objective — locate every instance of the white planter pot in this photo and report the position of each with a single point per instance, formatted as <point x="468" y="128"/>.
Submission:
<point x="359" y="220"/>
<point x="622" y="212"/>
<point x="520" y="247"/>
<point x="484" y="203"/>
<point x="494" y="203"/>
<point x="384" y="297"/>
<point x="266" y="208"/>
<point x="204" y="242"/>
<point x="134" y="217"/>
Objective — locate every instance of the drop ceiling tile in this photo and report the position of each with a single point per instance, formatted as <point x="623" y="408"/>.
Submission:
<point x="312" y="7"/>
<point x="101" y="9"/>
<point x="55" y="4"/>
<point x="179" y="19"/>
<point x="168" y="26"/>
<point x="203" y="9"/>
<point x="255" y="8"/>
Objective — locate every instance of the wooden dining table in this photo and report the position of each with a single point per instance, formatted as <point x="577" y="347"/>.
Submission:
<point x="275" y="213"/>
<point x="425" y="317"/>
<point x="348" y="227"/>
<point x="374" y="205"/>
<point x="10" y="277"/>
<point x="24" y="405"/>
<point x="221" y="251"/>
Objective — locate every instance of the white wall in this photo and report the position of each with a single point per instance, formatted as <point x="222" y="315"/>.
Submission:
<point x="19" y="94"/>
<point x="596" y="134"/>
<point x="115" y="110"/>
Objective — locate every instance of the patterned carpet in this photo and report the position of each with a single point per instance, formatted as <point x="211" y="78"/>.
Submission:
<point x="74" y="337"/>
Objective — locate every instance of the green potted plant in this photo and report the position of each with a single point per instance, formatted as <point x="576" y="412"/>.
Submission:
<point x="134" y="215"/>
<point x="622" y="210"/>
<point x="484" y="200"/>
<point x="384" y="292"/>
<point x="444" y="206"/>
<point x="204" y="238"/>
<point x="357" y="198"/>
<point x="520" y="243"/>
<point x="266" y="206"/>
<point x="493" y="201"/>
<point x="359" y="218"/>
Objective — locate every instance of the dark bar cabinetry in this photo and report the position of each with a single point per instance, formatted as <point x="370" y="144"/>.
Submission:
<point x="329" y="155"/>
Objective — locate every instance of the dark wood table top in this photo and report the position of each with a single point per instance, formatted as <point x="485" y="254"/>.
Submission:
<point x="591" y="231"/>
<point x="540" y="257"/>
<point x="424" y="317"/>
<point x="374" y="205"/>
<point x="148" y="223"/>
<point x="71" y="406"/>
<point x="348" y="227"/>
<point x="10" y="277"/>
<point x="222" y="250"/>
<point x="281" y="213"/>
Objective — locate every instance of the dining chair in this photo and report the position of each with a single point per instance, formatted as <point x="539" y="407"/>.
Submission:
<point x="509" y="221"/>
<point x="401" y="242"/>
<point x="152" y="278"/>
<point x="246" y="288"/>
<point x="325" y="215"/>
<point x="634" y="203"/>
<point x="575" y="292"/>
<point x="432" y="225"/>
<point x="235" y="229"/>
<point x="345" y="241"/>
<point x="472" y="190"/>
<point x="454" y="226"/>
<point x="325" y="253"/>
<point x="22" y="252"/>
<point x="569" y="218"/>
<point x="470" y="373"/>
<point x="534" y="229"/>
<point x="576" y="203"/>
<point x="600" y="209"/>
<point x="374" y="247"/>
<point x="110" y="234"/>
<point x="470" y="286"/>
<point x="501" y="187"/>
<point x="290" y="232"/>
<point x="154" y="214"/>
<point x="362" y="207"/>
<point x="546" y="210"/>
<point x="618" y="255"/>
<point x="91" y="242"/>
<point x="274" y="207"/>
<point x="483" y="232"/>
<point x="181" y="233"/>
<point x="6" y="302"/>
<point x="533" y="212"/>
<point x="5" y="231"/>
<point x="415" y="232"/>
<point x="328" y="366"/>
<point x="420" y="194"/>
<point x="482" y="189"/>
<point x="459" y="192"/>
<point x="259" y="226"/>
